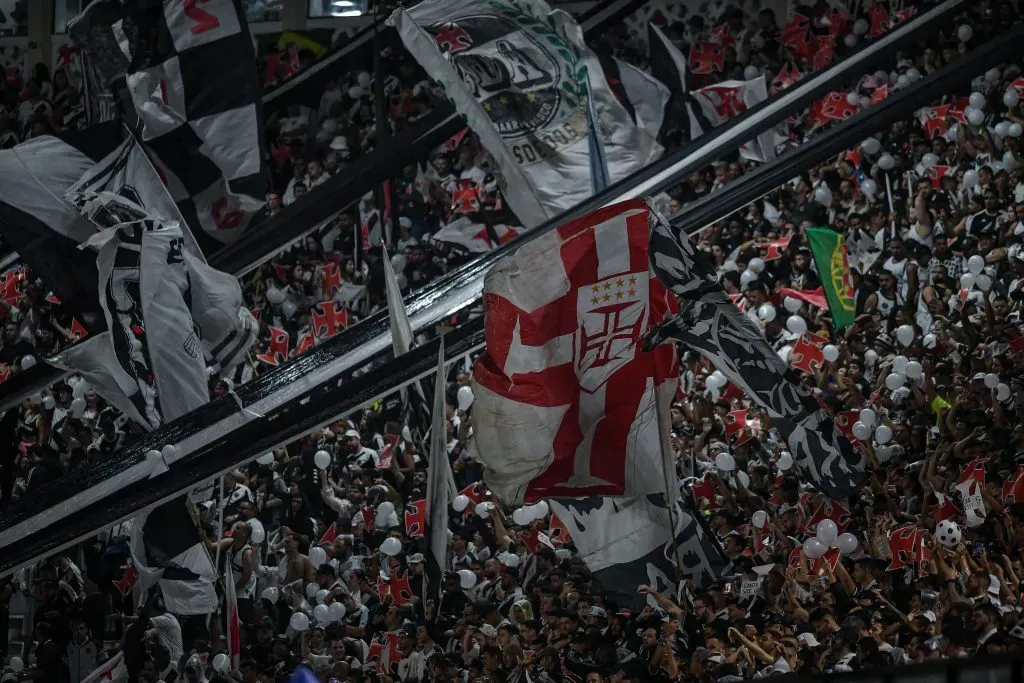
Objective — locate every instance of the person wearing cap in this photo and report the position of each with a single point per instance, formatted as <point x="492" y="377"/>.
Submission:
<point x="359" y="455"/>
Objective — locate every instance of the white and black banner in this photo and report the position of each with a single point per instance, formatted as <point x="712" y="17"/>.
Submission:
<point x="627" y="542"/>
<point x="522" y="75"/>
<point x="712" y="325"/>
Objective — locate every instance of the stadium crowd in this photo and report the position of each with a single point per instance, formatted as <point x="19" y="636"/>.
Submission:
<point x="328" y="560"/>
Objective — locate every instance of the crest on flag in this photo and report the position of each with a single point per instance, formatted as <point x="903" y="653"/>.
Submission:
<point x="416" y="518"/>
<point x="277" y="350"/>
<point x="565" y="319"/>
<point x="706" y="58"/>
<point x="329" y="318"/>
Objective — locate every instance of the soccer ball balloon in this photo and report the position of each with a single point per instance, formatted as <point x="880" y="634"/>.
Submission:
<point x="948" y="533"/>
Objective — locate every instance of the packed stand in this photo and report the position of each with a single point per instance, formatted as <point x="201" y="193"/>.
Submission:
<point x="925" y="565"/>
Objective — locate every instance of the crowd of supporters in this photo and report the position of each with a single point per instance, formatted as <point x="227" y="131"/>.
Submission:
<point x="328" y="562"/>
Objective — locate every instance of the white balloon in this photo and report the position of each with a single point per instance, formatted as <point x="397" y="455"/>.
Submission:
<point x="883" y="433"/>
<point x="814" y="548"/>
<point x="902" y="81"/>
<point x="271" y="594"/>
<point x="886" y="162"/>
<point x="320" y="596"/>
<point x="865" y="101"/>
<point x="1002" y="129"/>
<point x="746" y="277"/>
<point x="289" y="309"/>
<point x="850" y="40"/>
<point x="78" y="407"/>
<point x="275" y="296"/>
<point x="899" y="364"/>
<point x="976" y="264"/>
<point x="929" y="159"/>
<point x="28" y="362"/>
<point x="792" y="304"/>
<point x="823" y="195"/>
<point x="785" y="461"/>
<point x="540" y="509"/>
<point x="386" y="508"/>
<point x="265" y="459"/>
<point x="861" y="430"/>
<point x="984" y="282"/>
<point x="830" y="352"/>
<point x="464" y="398"/>
<point x="336" y="611"/>
<point x="322" y="459"/>
<point x="913" y="74"/>
<point x="170" y="453"/>
<point x="257" y="534"/>
<point x="221" y="663"/>
<point x="929" y="341"/>
<point x="870" y="357"/>
<point x="756" y="264"/>
<point x="1009" y="161"/>
<point x="717" y="379"/>
<point x="49" y="403"/>
<point x="977" y="100"/>
<point x="914" y="369"/>
<point x="1002" y="392"/>
<point x="16" y="664"/>
<point x="967" y="280"/>
<point x="993" y="75"/>
<point x="725" y="462"/>
<point x="964" y="33"/>
<point x="991" y="380"/>
<point x="796" y="324"/>
<point x="869" y="188"/>
<point x="322" y="614"/>
<point x="1015" y="130"/>
<point x="882" y="76"/>
<point x="975" y="117"/>
<point x="905" y="334"/>
<point x="1011" y="98"/>
<point x="970" y="178"/>
<point x="391" y="546"/>
<point x="827" y="531"/>
<point x="894" y="381"/>
<point x="460" y="502"/>
<point x="861" y="26"/>
<point x="766" y="312"/>
<point x="483" y="510"/>
<point x="317" y="557"/>
<point x="871" y="146"/>
<point x="868" y="417"/>
<point x="521" y="516"/>
<point x="759" y="519"/>
<point x="847" y="543"/>
<point x="299" y="622"/>
<point x="852" y="99"/>
<point x="467" y="579"/>
<point x="311" y="589"/>
<point x="751" y="72"/>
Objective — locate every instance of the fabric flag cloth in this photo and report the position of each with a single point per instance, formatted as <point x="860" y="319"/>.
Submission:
<point x="521" y="74"/>
<point x="440" y="487"/>
<point x="627" y="542"/>
<point x="729" y="99"/>
<point x="169" y="551"/>
<point x="103" y="61"/>
<point x="669" y="66"/>
<point x="474" y="237"/>
<point x="113" y="670"/>
<point x="712" y="325"/>
<point x="202" y="127"/>
<point x="565" y="398"/>
<point x="829" y="250"/>
<point x="401" y="330"/>
<point x="643" y="96"/>
<point x="46" y="232"/>
<point x="233" y="625"/>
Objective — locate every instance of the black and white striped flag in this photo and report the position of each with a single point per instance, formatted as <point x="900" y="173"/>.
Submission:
<point x="712" y="325"/>
<point x="668" y="65"/>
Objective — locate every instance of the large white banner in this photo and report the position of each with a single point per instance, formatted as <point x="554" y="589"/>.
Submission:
<point x="518" y="71"/>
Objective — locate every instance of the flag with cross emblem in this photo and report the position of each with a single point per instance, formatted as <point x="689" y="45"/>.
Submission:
<point x="566" y="400"/>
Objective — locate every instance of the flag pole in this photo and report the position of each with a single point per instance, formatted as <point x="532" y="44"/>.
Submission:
<point x="219" y="531"/>
<point x="668" y="464"/>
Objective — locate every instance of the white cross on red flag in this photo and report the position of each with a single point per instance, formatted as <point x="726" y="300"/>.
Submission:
<point x="565" y="397"/>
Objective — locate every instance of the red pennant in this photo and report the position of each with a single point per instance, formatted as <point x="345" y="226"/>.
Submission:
<point x="735" y="422"/>
<point x="128" y="580"/>
<point x="706" y="57"/>
<point x="329" y="318"/>
<point x="845" y="421"/>
<point x="837" y="512"/>
<point x="806" y="357"/>
<point x="277" y="350"/>
<point x="557" y="531"/>
<point x="12" y="285"/>
<point x="475" y="493"/>
<point x="703" y="491"/>
<point x="78" y="331"/>
<point x="416" y="518"/>
<point x="306" y="342"/>
<point x="465" y="198"/>
<point x="1013" y="487"/>
<point x="397" y="588"/>
<point x="788" y="75"/>
<point x="330" y="535"/>
<point x="331" y="281"/>
<point x="773" y="251"/>
<point x="903" y="546"/>
<point x="878" y="16"/>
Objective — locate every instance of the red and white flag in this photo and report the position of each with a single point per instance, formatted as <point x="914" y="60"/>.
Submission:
<point x="233" y="627"/>
<point x="565" y="396"/>
<point x="111" y="671"/>
<point x="475" y="237"/>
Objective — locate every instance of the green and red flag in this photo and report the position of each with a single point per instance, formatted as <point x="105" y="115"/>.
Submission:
<point x="829" y="250"/>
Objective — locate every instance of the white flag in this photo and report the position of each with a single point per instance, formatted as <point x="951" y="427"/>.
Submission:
<point x="401" y="331"/>
<point x="111" y="671"/>
<point x="646" y="94"/>
<point x="728" y="99"/>
<point x="518" y="73"/>
<point x="474" y="237"/>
